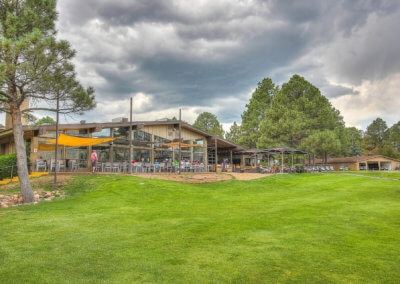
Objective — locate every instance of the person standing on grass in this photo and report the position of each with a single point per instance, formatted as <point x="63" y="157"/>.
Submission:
<point x="94" y="159"/>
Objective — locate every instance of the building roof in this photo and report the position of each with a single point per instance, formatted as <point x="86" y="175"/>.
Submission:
<point x="354" y="159"/>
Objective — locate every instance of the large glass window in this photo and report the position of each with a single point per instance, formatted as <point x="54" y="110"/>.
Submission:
<point x="50" y="155"/>
<point x="78" y="154"/>
<point x="161" y="140"/>
<point x="184" y="154"/>
<point x="199" y="157"/>
<point x="141" y="155"/>
<point x="121" y="132"/>
<point x="103" y="153"/>
<point x="78" y="132"/>
<point x="105" y="132"/>
<point x="186" y="148"/>
<point x="198" y="149"/>
<point x="141" y="136"/>
<point x="120" y="155"/>
<point x="162" y="156"/>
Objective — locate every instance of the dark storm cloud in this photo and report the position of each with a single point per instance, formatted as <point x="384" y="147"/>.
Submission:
<point x="198" y="53"/>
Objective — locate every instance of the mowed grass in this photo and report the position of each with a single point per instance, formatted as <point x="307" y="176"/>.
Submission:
<point x="312" y="228"/>
<point x="383" y="174"/>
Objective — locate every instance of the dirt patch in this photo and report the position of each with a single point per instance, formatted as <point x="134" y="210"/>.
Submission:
<point x="188" y="177"/>
<point x="248" y="176"/>
<point x="37" y="183"/>
<point x="202" y="177"/>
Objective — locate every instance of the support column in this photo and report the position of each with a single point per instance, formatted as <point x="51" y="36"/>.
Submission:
<point x="205" y="154"/>
<point x="152" y="149"/>
<point x="282" y="164"/>
<point x="232" y="161"/>
<point x="216" y="154"/>
<point x="34" y="152"/>
<point x="112" y="148"/>
<point x="191" y="152"/>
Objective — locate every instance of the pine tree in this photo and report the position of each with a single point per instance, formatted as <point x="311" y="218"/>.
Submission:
<point x="375" y="135"/>
<point x="208" y="122"/>
<point x="297" y="111"/>
<point x="35" y="65"/>
<point x="234" y="133"/>
<point x="255" y="113"/>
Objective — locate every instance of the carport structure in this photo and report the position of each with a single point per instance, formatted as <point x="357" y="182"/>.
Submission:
<point x="282" y="151"/>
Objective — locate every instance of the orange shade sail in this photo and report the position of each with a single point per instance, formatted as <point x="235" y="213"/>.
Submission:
<point x="73" y="141"/>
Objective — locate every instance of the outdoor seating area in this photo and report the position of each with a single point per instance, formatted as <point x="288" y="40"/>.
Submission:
<point x="122" y="167"/>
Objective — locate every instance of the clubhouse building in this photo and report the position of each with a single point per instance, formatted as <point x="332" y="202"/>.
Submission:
<point x="152" y="141"/>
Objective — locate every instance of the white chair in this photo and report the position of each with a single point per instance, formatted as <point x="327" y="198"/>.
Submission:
<point x="99" y="167"/>
<point x="107" y="166"/>
<point x="116" y="167"/>
<point x="41" y="165"/>
<point x="61" y="165"/>
<point x="73" y="165"/>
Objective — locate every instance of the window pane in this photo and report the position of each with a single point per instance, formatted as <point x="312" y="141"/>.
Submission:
<point x="138" y="155"/>
<point x="162" y="156"/>
<point x="199" y="157"/>
<point x="78" y="133"/>
<point x="120" y="155"/>
<point x="162" y="140"/>
<point x="103" y="153"/>
<point x="105" y="132"/>
<point x="198" y="149"/>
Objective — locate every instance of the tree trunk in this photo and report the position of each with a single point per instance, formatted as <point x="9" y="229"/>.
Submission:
<point x="23" y="175"/>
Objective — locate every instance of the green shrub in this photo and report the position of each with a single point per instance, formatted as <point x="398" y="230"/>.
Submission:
<point x="6" y="162"/>
<point x="6" y="166"/>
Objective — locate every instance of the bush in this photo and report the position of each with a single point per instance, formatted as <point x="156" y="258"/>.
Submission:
<point x="6" y="163"/>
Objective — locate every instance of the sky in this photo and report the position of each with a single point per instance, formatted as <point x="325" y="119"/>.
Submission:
<point x="209" y="55"/>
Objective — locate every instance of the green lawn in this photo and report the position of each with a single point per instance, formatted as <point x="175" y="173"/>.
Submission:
<point x="384" y="174"/>
<point x="287" y="228"/>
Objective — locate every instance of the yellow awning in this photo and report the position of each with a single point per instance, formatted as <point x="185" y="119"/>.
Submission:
<point x="47" y="147"/>
<point x="73" y="141"/>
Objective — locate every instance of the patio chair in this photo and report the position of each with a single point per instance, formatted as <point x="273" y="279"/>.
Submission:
<point x="41" y="165"/>
<point x="73" y="165"/>
<point x="107" y="166"/>
<point x="124" y="167"/>
<point x="52" y="165"/>
<point x="99" y="167"/>
<point x="116" y="167"/>
<point x="138" y="167"/>
<point x="61" y="165"/>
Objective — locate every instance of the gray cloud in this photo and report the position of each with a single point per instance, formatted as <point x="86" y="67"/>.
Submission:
<point x="201" y="54"/>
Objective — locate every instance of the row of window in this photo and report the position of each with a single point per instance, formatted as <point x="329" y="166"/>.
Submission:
<point x="120" y="155"/>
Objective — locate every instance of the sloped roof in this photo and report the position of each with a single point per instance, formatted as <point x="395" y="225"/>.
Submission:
<point x="354" y="159"/>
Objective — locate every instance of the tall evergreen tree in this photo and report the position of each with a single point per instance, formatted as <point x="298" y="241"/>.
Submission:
<point x="35" y="65"/>
<point x="208" y="122"/>
<point x="394" y="136"/>
<point x="255" y="112"/>
<point x="353" y="142"/>
<point x="322" y="143"/>
<point x="375" y="134"/>
<point x="45" y="120"/>
<point x="296" y="112"/>
<point x="234" y="133"/>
